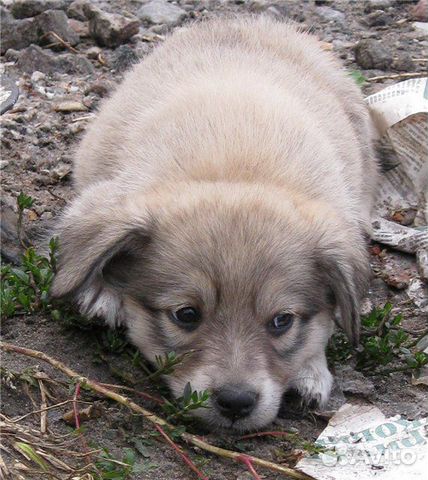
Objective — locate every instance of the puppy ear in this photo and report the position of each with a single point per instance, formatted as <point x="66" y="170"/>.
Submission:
<point x="98" y="232"/>
<point x="346" y="271"/>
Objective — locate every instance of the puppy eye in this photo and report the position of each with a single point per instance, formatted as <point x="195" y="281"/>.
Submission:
<point x="281" y="323"/>
<point x="187" y="318"/>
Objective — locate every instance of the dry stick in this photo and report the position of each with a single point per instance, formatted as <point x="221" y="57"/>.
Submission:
<point x="60" y="40"/>
<point x="77" y="419"/>
<point x="43" y="407"/>
<point x="16" y="420"/>
<point x="147" y="396"/>
<point x="397" y="76"/>
<point x="75" y="406"/>
<point x="151" y="417"/>
<point x="185" y="458"/>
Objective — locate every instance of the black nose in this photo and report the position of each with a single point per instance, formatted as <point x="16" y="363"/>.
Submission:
<point x="235" y="402"/>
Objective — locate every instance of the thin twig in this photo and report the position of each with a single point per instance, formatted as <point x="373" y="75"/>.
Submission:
<point x="50" y="407"/>
<point x="43" y="407"/>
<point x="151" y="417"/>
<point x="246" y="460"/>
<point x="397" y="76"/>
<point x="145" y="395"/>
<point x="75" y="406"/>
<point x="60" y="40"/>
<point x="185" y="457"/>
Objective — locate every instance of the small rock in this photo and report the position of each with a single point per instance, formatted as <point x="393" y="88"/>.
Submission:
<point x="37" y="76"/>
<point x="377" y="18"/>
<point x="31" y="8"/>
<point x="160" y="11"/>
<point x="403" y="63"/>
<point x="100" y="88"/>
<point x="110" y="29"/>
<point x="80" y="28"/>
<point x="35" y="58"/>
<point x="396" y="279"/>
<point x="68" y="106"/>
<point x="329" y="14"/>
<point x="16" y="34"/>
<point x="421" y="26"/>
<point x="371" y="54"/>
<point x="76" y="10"/>
<point x="61" y="171"/>
<point x="55" y="21"/>
<point x="124" y="58"/>
<point x="354" y="382"/>
<point x="93" y="52"/>
<point x="371" y="5"/>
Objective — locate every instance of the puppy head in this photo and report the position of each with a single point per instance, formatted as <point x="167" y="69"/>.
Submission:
<point x="243" y="277"/>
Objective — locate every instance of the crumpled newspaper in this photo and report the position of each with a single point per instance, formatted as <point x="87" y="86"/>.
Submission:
<point x="360" y="442"/>
<point x="400" y="113"/>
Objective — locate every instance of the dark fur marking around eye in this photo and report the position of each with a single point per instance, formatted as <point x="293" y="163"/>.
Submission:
<point x="147" y="305"/>
<point x="301" y="337"/>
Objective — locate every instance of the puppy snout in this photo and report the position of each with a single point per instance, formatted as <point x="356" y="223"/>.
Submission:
<point x="235" y="402"/>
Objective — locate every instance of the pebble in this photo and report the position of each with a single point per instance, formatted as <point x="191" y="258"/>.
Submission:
<point x="160" y="11"/>
<point x="124" y="58"/>
<point x="422" y="26"/>
<point x="35" y="58"/>
<point x="396" y="279"/>
<point x="328" y="13"/>
<point x="403" y="63"/>
<point x="16" y="34"/>
<point x="55" y="21"/>
<point x="37" y="76"/>
<point x="31" y="8"/>
<point x="110" y="29"/>
<point x="371" y="54"/>
<point x="76" y="10"/>
<point x="93" y="52"/>
<point x="354" y="382"/>
<point x="100" y="87"/>
<point x="68" y="106"/>
<point x="377" y="18"/>
<point x="79" y="27"/>
<point x="370" y="5"/>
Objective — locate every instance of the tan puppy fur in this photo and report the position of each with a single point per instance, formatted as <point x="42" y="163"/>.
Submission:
<point x="231" y="172"/>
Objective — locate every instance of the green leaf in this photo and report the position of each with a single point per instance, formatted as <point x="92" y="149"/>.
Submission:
<point x="30" y="453"/>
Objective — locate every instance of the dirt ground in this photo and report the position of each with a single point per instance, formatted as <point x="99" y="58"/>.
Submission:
<point x="38" y="138"/>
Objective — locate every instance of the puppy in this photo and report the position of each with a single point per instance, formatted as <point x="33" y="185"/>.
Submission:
<point x="224" y="196"/>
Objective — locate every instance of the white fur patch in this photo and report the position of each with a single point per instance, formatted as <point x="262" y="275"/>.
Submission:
<point x="314" y="381"/>
<point x="103" y="303"/>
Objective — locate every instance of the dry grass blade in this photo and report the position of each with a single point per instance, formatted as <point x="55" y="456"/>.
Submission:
<point x="35" y="453"/>
<point x="397" y="76"/>
<point x="151" y="417"/>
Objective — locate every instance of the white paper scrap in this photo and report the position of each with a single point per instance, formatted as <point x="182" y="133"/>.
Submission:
<point x="360" y="442"/>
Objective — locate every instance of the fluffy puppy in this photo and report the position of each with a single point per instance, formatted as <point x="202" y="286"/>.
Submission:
<point x="224" y="196"/>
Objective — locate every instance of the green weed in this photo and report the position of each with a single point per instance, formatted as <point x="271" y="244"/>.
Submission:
<point x="383" y="342"/>
<point x="180" y="408"/>
<point x="358" y="77"/>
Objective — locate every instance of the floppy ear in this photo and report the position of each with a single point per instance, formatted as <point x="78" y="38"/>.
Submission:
<point x="346" y="270"/>
<point x="99" y="229"/>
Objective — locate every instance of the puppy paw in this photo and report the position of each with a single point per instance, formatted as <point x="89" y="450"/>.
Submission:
<point x="314" y="383"/>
